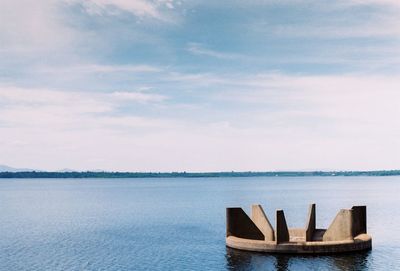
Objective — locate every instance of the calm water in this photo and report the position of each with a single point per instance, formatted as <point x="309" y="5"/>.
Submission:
<point x="179" y="224"/>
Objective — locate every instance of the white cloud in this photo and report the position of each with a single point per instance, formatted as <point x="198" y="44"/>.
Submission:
<point x="334" y="20"/>
<point x="29" y="26"/>
<point x="139" y="8"/>
<point x="384" y="27"/>
<point x="138" y="96"/>
<point x="63" y="109"/>
<point x="64" y="127"/>
<point x="98" y="68"/>
<point x="339" y="107"/>
<point x="68" y="101"/>
<point x="394" y="3"/>
<point x="251" y="122"/>
<point x="169" y="3"/>
<point x="199" y="49"/>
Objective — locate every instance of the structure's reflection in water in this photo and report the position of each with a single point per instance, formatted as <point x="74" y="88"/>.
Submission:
<point x="244" y="261"/>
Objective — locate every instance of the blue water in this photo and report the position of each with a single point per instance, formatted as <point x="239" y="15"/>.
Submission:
<point x="179" y="224"/>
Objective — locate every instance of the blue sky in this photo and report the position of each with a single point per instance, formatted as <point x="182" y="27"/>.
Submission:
<point x="169" y="85"/>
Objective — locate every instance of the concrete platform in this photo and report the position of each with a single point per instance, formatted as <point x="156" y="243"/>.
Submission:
<point x="347" y="232"/>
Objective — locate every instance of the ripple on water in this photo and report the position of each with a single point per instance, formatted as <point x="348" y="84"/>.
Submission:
<point x="179" y="224"/>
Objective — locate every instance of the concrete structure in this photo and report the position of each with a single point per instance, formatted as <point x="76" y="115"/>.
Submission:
<point x="260" y="219"/>
<point x="347" y="232"/>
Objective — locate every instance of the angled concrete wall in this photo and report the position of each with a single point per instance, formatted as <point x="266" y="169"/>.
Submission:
<point x="341" y="227"/>
<point x="260" y="219"/>
<point x="311" y="222"/>
<point x="239" y="224"/>
<point x="282" y="232"/>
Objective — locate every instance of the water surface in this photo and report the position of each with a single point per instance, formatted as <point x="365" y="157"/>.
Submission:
<point x="179" y="223"/>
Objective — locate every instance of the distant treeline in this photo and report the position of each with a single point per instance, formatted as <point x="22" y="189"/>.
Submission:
<point x="95" y="174"/>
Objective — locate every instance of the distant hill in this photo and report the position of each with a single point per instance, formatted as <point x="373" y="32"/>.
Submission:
<point x="66" y="170"/>
<point x="5" y="168"/>
<point x="93" y="174"/>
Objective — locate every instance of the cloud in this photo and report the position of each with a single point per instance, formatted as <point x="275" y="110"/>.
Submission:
<point x="263" y="121"/>
<point x="55" y="108"/>
<point x="136" y="7"/>
<point x="62" y="125"/>
<point x="139" y="8"/>
<point x="199" y="49"/>
<point x="380" y="27"/>
<point x="137" y="96"/>
<point x="37" y="28"/>
<point x="47" y="108"/>
<point x="98" y="68"/>
<point x="341" y="23"/>
<point x="336" y="20"/>
<point x="394" y="3"/>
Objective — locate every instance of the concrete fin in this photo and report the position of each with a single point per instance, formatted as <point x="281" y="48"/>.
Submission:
<point x="311" y="222"/>
<point x="260" y="219"/>
<point x="341" y="228"/>
<point x="359" y="220"/>
<point x="239" y="224"/>
<point x="282" y="231"/>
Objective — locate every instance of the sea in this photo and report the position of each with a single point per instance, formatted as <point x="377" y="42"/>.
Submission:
<point x="179" y="223"/>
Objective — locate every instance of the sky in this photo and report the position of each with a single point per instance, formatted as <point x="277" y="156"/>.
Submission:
<point x="189" y="85"/>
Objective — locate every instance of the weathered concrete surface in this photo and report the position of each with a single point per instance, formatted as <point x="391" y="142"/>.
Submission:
<point x="282" y="232"/>
<point x="297" y="235"/>
<point x="260" y="219"/>
<point x="341" y="227"/>
<point x="240" y="225"/>
<point x="361" y="242"/>
<point x="311" y="223"/>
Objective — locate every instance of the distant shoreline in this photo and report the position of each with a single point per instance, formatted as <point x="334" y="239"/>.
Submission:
<point x="94" y="174"/>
